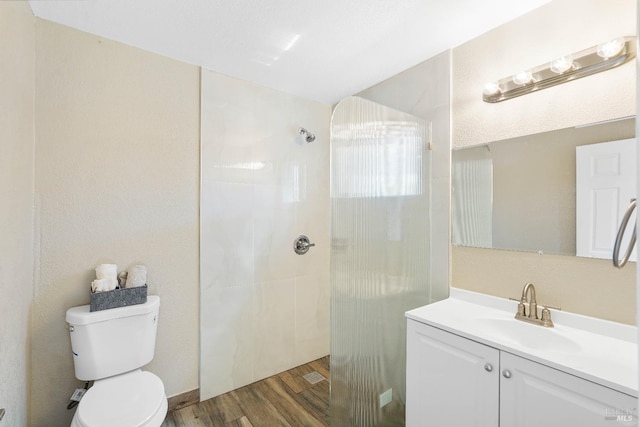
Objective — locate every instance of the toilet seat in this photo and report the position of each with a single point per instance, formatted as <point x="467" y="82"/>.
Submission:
<point x="135" y="399"/>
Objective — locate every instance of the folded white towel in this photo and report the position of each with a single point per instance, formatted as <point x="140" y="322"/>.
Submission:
<point x="103" y="285"/>
<point x="137" y="276"/>
<point x="107" y="271"/>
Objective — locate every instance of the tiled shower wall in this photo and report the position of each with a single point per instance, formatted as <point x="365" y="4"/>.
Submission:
<point x="264" y="309"/>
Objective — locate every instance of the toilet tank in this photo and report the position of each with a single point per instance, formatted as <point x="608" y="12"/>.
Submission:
<point x="114" y="341"/>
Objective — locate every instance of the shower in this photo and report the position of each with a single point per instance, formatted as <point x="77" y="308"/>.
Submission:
<point x="309" y="137"/>
<point x="264" y="309"/>
<point x="380" y="194"/>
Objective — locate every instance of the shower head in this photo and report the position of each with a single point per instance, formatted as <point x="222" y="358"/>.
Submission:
<point x="309" y="137"/>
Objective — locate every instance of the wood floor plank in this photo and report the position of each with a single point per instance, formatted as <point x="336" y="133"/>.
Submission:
<point x="320" y="391"/>
<point x="287" y="403"/>
<point x="190" y="417"/>
<point x="312" y="400"/>
<point x="240" y="422"/>
<point x="257" y="407"/>
<point x="295" y="385"/>
<point x="316" y="400"/>
<point x="221" y="410"/>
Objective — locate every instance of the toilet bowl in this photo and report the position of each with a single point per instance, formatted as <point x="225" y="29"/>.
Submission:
<point x="135" y="399"/>
<point x="109" y="347"/>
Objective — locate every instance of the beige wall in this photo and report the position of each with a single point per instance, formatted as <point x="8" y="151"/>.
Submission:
<point x="591" y="287"/>
<point x="580" y="285"/>
<point x="117" y="180"/>
<point x="17" y="68"/>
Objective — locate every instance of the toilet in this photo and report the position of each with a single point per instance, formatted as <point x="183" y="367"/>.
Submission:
<point x="110" y="347"/>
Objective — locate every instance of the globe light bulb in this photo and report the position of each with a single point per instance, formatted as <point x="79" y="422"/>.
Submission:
<point x="491" y="88"/>
<point x="611" y="48"/>
<point x="562" y="64"/>
<point x="523" y="77"/>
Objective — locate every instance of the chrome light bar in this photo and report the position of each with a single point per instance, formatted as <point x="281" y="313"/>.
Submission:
<point x="599" y="58"/>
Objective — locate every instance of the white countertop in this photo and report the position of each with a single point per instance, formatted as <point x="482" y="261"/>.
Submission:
<point x="597" y="350"/>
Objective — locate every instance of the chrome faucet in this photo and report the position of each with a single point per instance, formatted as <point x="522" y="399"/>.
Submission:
<point x="529" y="299"/>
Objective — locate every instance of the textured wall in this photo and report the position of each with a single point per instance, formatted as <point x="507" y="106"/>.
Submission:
<point x="587" y="286"/>
<point x="17" y="68"/>
<point x="264" y="309"/>
<point x="117" y="172"/>
<point x="592" y="287"/>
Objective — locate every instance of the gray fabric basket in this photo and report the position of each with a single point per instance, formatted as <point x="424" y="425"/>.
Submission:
<point x="117" y="298"/>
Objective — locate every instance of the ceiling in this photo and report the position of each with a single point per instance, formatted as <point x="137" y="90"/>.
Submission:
<point x="317" y="49"/>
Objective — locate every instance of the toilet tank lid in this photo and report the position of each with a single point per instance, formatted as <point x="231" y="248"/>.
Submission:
<point x="82" y="315"/>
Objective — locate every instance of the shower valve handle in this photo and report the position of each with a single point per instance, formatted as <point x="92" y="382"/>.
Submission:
<point x="302" y="244"/>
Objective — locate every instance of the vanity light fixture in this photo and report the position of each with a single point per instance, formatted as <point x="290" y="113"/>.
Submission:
<point x="605" y="56"/>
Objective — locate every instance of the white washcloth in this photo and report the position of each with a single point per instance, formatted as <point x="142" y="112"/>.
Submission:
<point x="103" y="285"/>
<point x="107" y="271"/>
<point x="137" y="276"/>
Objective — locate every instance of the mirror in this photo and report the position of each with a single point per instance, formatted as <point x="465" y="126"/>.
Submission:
<point x="520" y="193"/>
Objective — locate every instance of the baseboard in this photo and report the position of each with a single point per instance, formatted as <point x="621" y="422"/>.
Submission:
<point x="183" y="400"/>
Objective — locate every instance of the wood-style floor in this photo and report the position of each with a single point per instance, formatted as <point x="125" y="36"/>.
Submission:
<point x="286" y="399"/>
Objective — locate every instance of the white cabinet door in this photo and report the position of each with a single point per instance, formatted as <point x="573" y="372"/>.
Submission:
<point x="535" y="395"/>
<point x="451" y="381"/>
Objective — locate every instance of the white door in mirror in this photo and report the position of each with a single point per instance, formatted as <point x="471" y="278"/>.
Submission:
<point x="605" y="185"/>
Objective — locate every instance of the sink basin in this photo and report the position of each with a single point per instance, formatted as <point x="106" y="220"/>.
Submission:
<point x="528" y="335"/>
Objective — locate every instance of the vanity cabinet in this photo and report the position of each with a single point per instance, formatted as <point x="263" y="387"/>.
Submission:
<point x="451" y="381"/>
<point x="454" y="381"/>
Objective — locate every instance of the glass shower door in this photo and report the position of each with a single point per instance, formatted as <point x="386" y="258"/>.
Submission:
<point x="380" y="220"/>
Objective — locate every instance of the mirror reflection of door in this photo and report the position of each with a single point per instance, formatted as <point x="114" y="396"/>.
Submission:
<point x="605" y="185"/>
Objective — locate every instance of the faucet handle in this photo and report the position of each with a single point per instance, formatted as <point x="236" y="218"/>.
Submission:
<point x="521" y="309"/>
<point x="545" y="320"/>
<point x="550" y="306"/>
